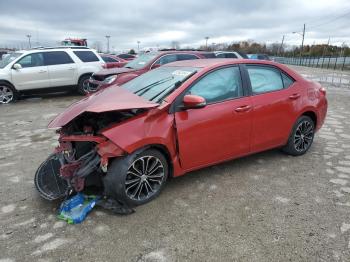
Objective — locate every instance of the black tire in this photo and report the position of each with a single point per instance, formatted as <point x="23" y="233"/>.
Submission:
<point x="121" y="171"/>
<point x="11" y="93"/>
<point x="82" y="88"/>
<point x="301" y="137"/>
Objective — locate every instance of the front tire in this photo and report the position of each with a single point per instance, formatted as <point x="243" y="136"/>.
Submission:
<point x="83" y="85"/>
<point x="301" y="138"/>
<point x="8" y="93"/>
<point x="138" y="178"/>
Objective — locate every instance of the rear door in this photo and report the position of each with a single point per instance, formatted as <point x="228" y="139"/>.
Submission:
<point x="220" y="130"/>
<point x="33" y="74"/>
<point x="62" y="69"/>
<point x="275" y="99"/>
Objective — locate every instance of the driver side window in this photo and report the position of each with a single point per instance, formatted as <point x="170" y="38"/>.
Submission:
<point x="32" y="60"/>
<point x="219" y="85"/>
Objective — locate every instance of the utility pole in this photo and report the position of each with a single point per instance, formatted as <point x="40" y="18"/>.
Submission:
<point x="302" y="42"/>
<point x="281" y="46"/>
<point x="206" y="42"/>
<point x="108" y="37"/>
<point x="138" y="46"/>
<point x="30" y="45"/>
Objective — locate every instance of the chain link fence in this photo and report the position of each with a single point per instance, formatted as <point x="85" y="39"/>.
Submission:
<point x="327" y="62"/>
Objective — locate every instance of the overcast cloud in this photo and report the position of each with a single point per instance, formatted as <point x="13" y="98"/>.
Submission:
<point x="157" y="22"/>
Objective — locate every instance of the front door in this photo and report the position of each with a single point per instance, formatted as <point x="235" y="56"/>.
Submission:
<point x="220" y="130"/>
<point x="33" y="74"/>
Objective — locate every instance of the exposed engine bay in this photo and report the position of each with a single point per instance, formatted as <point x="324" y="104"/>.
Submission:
<point x="80" y="160"/>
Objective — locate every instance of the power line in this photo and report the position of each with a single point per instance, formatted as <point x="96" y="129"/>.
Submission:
<point x="330" y="21"/>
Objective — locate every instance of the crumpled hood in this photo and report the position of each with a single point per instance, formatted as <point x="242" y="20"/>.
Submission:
<point x="113" y="98"/>
<point x="114" y="71"/>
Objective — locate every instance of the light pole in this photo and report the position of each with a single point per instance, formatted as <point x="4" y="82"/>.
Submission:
<point x="108" y="37"/>
<point x="302" y="42"/>
<point x="281" y="46"/>
<point x="206" y="42"/>
<point x="138" y="46"/>
<point x="29" y="36"/>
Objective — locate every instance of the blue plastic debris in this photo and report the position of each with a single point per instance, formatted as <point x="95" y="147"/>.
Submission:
<point x="75" y="209"/>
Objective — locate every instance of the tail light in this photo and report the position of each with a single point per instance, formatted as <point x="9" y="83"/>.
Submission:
<point x="104" y="66"/>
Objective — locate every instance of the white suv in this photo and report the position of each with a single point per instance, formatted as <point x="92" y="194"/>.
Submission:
<point x="48" y="70"/>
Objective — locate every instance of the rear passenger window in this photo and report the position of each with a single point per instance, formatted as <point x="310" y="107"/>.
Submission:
<point x="186" y="57"/>
<point x="287" y="80"/>
<point x="86" y="56"/>
<point x="57" y="58"/>
<point x="264" y="79"/>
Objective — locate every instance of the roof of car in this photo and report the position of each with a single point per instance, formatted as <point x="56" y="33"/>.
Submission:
<point x="214" y="62"/>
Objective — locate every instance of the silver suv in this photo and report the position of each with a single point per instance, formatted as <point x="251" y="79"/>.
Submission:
<point x="47" y="70"/>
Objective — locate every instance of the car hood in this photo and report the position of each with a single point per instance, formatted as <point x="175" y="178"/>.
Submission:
<point x="115" y="71"/>
<point x="110" y="99"/>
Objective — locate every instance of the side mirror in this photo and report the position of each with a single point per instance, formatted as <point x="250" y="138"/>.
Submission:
<point x="17" y="66"/>
<point x="193" y="101"/>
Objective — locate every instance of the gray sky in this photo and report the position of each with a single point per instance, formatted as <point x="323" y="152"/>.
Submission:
<point x="158" y="22"/>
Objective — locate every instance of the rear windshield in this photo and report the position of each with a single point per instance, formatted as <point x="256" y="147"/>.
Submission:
<point x="209" y="55"/>
<point x="86" y="56"/>
<point x="157" y="84"/>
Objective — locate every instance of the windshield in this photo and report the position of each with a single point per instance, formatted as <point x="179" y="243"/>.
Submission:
<point x="157" y="84"/>
<point x="141" y="61"/>
<point x="8" y="59"/>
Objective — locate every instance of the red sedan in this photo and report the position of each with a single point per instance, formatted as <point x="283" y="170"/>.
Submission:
<point x="180" y="117"/>
<point x="141" y="65"/>
<point x="112" y="61"/>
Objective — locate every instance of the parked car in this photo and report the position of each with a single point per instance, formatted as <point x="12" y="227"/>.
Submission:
<point x="127" y="57"/>
<point x="178" y="118"/>
<point x="47" y="70"/>
<point x="112" y="61"/>
<point x="141" y="65"/>
<point x="230" y="54"/>
<point x="259" y="57"/>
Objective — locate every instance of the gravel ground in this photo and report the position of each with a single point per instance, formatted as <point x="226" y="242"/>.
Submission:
<point x="266" y="207"/>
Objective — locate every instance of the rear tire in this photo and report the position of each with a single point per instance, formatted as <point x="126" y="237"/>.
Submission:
<point x="301" y="138"/>
<point x="83" y="85"/>
<point x="8" y="94"/>
<point x="138" y="178"/>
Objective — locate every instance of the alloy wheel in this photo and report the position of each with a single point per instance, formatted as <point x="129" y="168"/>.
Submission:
<point x="303" y="136"/>
<point x="86" y="86"/>
<point x="144" y="178"/>
<point x="6" y="95"/>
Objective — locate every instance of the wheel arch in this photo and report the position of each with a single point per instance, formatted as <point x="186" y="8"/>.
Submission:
<point x="84" y="74"/>
<point x="312" y="115"/>
<point x="8" y="83"/>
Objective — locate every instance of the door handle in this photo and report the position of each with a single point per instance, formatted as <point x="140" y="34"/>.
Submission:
<point x="294" y="96"/>
<point x="243" y="108"/>
<point x="42" y="71"/>
<point x="71" y="68"/>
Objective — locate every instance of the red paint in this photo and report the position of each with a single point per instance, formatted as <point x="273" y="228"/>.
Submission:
<point x="119" y="62"/>
<point x="127" y="74"/>
<point x="195" y="138"/>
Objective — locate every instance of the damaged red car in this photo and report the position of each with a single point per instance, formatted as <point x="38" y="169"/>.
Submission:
<point x="128" y="141"/>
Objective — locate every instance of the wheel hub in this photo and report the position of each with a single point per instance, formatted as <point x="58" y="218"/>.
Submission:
<point x="6" y="95"/>
<point x="144" y="178"/>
